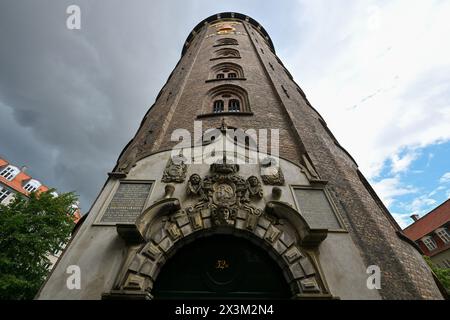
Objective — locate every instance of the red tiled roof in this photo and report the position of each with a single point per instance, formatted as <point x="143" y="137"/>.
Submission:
<point x="430" y="222"/>
<point x="19" y="181"/>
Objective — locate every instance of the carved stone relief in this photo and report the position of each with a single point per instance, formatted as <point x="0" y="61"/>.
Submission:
<point x="175" y="170"/>
<point x="224" y="193"/>
<point x="226" y="199"/>
<point x="271" y="172"/>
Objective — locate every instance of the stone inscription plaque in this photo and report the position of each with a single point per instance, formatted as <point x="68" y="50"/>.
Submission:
<point x="127" y="203"/>
<point x="316" y="209"/>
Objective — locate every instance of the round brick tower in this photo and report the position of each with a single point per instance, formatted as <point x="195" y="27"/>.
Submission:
<point x="303" y="223"/>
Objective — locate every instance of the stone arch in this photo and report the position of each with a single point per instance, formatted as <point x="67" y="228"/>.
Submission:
<point x="226" y="42"/>
<point x="226" y="69"/>
<point x="227" y="93"/>
<point x="226" y="53"/>
<point x="164" y="228"/>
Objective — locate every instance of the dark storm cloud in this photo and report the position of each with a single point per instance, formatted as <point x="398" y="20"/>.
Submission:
<point x="70" y="100"/>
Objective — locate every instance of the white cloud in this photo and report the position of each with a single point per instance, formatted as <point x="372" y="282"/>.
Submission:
<point x="421" y="205"/>
<point x="381" y="89"/>
<point x="389" y="188"/>
<point x="402" y="164"/>
<point x="403" y="219"/>
<point x="435" y="191"/>
<point x="445" y="178"/>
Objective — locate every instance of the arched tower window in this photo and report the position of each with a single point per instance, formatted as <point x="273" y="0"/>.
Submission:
<point x="226" y="53"/>
<point x="227" y="99"/>
<point x="234" y="105"/>
<point x="226" y="70"/>
<point x="218" y="106"/>
<point x="226" y="41"/>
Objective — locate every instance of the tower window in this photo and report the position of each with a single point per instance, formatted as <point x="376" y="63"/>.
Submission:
<point x="226" y="70"/>
<point x="227" y="53"/>
<point x="218" y="106"/>
<point x="234" y="105"/>
<point x="226" y="41"/>
<point x="227" y="98"/>
<point x="10" y="172"/>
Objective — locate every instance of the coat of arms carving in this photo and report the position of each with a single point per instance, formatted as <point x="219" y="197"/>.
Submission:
<point x="175" y="170"/>
<point x="224" y="192"/>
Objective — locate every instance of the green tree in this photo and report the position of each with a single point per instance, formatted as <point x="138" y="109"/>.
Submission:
<point x="30" y="229"/>
<point x="443" y="274"/>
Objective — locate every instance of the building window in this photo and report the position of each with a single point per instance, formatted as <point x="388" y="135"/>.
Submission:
<point x="10" y="172"/>
<point x="226" y="70"/>
<point x="218" y="106"/>
<point x="234" y="105"/>
<point x="429" y="243"/>
<point x="227" y="53"/>
<point x="4" y="193"/>
<point x="443" y="234"/>
<point x="446" y="263"/>
<point x="227" y="98"/>
<point x="32" y="185"/>
<point x="226" y="41"/>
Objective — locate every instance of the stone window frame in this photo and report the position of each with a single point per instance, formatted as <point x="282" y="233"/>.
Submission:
<point x="333" y="205"/>
<point x="231" y="92"/>
<point x="226" y="68"/>
<point x="226" y="53"/>
<point x="226" y="42"/>
<point x="218" y="104"/>
<point x="234" y="105"/>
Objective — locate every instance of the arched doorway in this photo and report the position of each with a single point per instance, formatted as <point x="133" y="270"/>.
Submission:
<point x="221" y="266"/>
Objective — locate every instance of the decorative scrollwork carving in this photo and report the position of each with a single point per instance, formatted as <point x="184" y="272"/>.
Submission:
<point x="271" y="172"/>
<point x="175" y="170"/>
<point x="224" y="192"/>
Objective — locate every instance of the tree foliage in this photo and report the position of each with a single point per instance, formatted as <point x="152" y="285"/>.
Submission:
<point x="443" y="274"/>
<point x="30" y="229"/>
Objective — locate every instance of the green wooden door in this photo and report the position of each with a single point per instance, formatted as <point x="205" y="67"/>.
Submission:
<point x="221" y="266"/>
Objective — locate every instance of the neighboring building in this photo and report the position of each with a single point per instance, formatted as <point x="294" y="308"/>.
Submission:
<point x="431" y="233"/>
<point x="16" y="181"/>
<point x="219" y="216"/>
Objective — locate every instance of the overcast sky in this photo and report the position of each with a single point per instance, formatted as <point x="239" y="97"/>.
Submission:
<point x="377" y="71"/>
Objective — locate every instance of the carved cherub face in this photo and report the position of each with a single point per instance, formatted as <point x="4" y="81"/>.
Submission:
<point x="253" y="181"/>
<point x="195" y="179"/>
